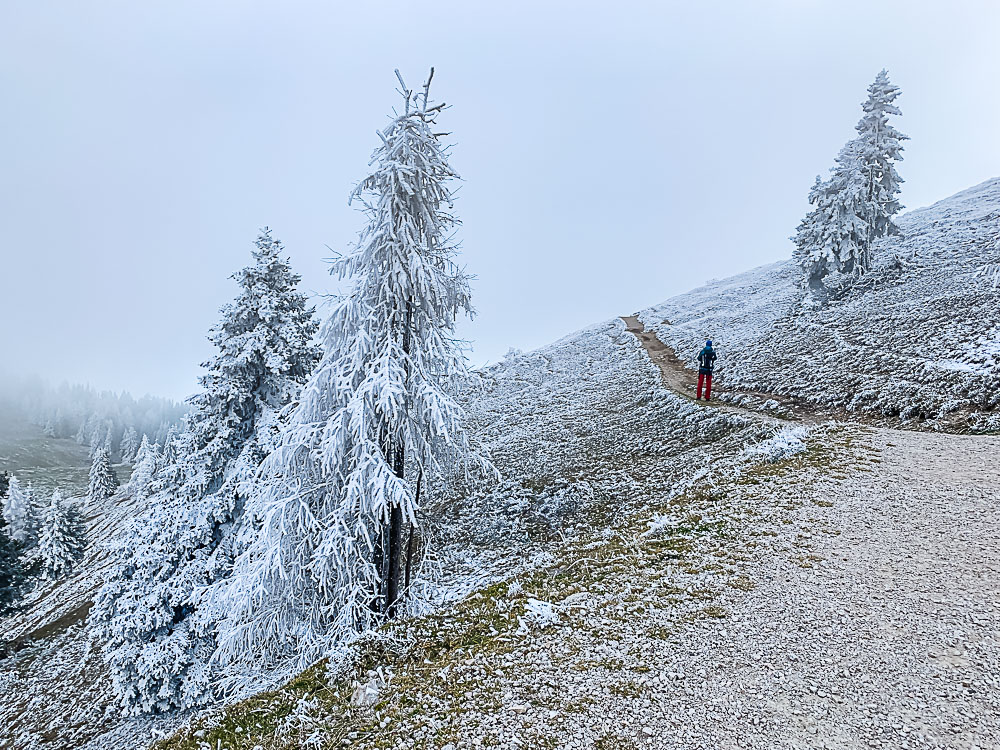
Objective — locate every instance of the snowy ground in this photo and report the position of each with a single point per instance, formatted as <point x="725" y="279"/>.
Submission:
<point x="839" y="598"/>
<point x="810" y="590"/>
<point x="583" y="432"/>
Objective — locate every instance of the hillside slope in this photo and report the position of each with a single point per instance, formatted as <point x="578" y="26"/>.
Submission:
<point x="655" y="572"/>
<point x="586" y="439"/>
<point x="917" y="341"/>
<point x="45" y="462"/>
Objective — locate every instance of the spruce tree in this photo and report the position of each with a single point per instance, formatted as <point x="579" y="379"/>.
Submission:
<point x="833" y="235"/>
<point x="878" y="148"/>
<point x="854" y="207"/>
<point x="147" y="461"/>
<point x="109" y="439"/>
<point x="18" y="513"/>
<point x="150" y="604"/>
<point x="129" y="445"/>
<point x="11" y="570"/>
<point x="171" y="446"/>
<point x="375" y="415"/>
<point x="103" y="481"/>
<point x="60" y="537"/>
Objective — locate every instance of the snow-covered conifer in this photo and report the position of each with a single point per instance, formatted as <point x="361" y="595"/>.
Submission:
<point x="109" y="439"/>
<point x="377" y="412"/>
<point x="11" y="570"/>
<point x="147" y="461"/>
<point x="129" y="445"/>
<point x="98" y="432"/>
<point x="833" y="236"/>
<point x="855" y="205"/>
<point x="878" y="148"/>
<point x="171" y="445"/>
<point x="18" y="513"/>
<point x="60" y="537"/>
<point x="149" y="605"/>
<point x="103" y="481"/>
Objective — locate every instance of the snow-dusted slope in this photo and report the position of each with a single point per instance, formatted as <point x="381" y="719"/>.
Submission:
<point x="54" y="687"/>
<point x="917" y="339"/>
<point x="584" y="435"/>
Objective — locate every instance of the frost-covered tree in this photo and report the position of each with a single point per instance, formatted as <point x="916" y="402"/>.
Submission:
<point x="129" y="445"/>
<point x="157" y="639"/>
<point x="60" y="537"/>
<point x="147" y="461"/>
<point x="878" y="148"/>
<point x="103" y="481"/>
<point x="855" y="205"/>
<point x="98" y="433"/>
<point x="11" y="570"/>
<point x="18" y="513"/>
<point x="109" y="439"/>
<point x="833" y="236"/>
<point x="334" y="496"/>
<point x="171" y="445"/>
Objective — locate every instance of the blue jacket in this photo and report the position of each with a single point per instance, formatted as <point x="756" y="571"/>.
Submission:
<point x="706" y="360"/>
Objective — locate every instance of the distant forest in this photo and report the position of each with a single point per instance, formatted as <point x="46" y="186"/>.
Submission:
<point x="116" y="422"/>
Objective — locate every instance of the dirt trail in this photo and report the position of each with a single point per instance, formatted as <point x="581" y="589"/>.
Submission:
<point x="682" y="381"/>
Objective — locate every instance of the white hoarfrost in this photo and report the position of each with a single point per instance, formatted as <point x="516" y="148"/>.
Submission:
<point x="60" y="536"/>
<point x="855" y="206"/>
<point x="787" y="443"/>
<point x="154" y="632"/>
<point x="19" y="513"/>
<point x="377" y="417"/>
<point x="103" y="481"/>
<point x="915" y="340"/>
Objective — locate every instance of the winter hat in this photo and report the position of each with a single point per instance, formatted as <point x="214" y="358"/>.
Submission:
<point x="708" y="343"/>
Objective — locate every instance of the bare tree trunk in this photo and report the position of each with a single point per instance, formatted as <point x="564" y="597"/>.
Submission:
<point x="395" y="542"/>
<point x="380" y="558"/>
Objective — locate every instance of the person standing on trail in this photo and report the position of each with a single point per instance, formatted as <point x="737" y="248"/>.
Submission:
<point x="706" y="363"/>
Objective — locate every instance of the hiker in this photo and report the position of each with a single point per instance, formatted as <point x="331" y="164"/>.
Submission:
<point x="706" y="362"/>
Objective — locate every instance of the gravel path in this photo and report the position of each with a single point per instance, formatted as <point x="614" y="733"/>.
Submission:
<point x="847" y="608"/>
<point x="890" y="640"/>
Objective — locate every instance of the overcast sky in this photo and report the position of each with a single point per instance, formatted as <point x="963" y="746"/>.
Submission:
<point x="614" y="153"/>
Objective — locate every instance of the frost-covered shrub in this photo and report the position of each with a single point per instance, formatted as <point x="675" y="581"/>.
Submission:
<point x="537" y="614"/>
<point x="789" y="442"/>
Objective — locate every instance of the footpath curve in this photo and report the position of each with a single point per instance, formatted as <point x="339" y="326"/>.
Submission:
<point x="682" y="380"/>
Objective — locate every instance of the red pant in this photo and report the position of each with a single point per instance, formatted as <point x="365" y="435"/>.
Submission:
<point x="706" y="380"/>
